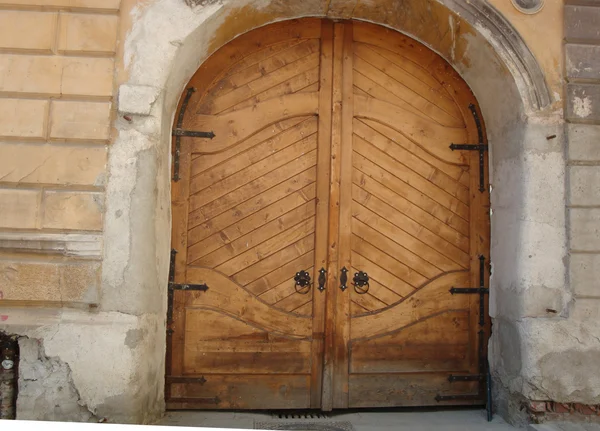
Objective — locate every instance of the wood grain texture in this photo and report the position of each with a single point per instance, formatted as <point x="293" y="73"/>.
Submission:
<point x="331" y="150"/>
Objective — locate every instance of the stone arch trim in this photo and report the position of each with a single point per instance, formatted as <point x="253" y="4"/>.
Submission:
<point x="509" y="45"/>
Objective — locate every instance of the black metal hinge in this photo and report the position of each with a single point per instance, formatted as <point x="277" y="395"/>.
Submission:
<point x="172" y="287"/>
<point x="481" y="147"/>
<point x="178" y="132"/>
<point x="481" y="290"/>
<point x="465" y="378"/>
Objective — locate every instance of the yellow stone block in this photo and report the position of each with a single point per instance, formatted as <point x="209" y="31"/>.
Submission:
<point x="27" y="30"/>
<point x="29" y="281"/>
<point x="87" y="33"/>
<point x="52" y="164"/>
<point x="56" y="76"/>
<point x="80" y="120"/>
<point x="73" y="210"/>
<point x="23" y="118"/>
<point x="89" y="4"/>
<point x="19" y="208"/>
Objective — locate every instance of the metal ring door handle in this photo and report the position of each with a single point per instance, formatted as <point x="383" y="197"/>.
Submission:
<point x="360" y="280"/>
<point x="303" y="282"/>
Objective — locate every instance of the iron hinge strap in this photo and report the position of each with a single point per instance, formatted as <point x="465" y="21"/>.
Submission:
<point x="481" y="147"/>
<point x="178" y="132"/>
<point x="465" y="378"/>
<point x="172" y="287"/>
<point x="481" y="290"/>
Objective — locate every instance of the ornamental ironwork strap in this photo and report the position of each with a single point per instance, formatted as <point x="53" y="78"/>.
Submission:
<point x="481" y="147"/>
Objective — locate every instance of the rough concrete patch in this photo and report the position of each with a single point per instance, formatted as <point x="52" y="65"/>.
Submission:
<point x="134" y="337"/>
<point x="137" y="99"/>
<point x="580" y="382"/>
<point x="46" y="388"/>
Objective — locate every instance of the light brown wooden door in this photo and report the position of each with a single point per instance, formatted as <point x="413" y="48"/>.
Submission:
<point x="331" y="152"/>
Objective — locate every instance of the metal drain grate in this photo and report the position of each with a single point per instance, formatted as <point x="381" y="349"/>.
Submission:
<point x="303" y="414"/>
<point x="304" y="426"/>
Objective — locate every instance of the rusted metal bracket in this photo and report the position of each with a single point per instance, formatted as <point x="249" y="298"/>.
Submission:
<point x="481" y="147"/>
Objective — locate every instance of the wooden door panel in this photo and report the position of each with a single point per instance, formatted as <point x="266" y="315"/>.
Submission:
<point x="251" y="201"/>
<point x="392" y="390"/>
<point x="433" y="344"/>
<point x="331" y="151"/>
<point x="242" y="391"/>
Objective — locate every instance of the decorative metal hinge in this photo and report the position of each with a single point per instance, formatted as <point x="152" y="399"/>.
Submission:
<point x="481" y="147"/>
<point x="178" y="132"/>
<point x="481" y="290"/>
<point x="172" y="287"/>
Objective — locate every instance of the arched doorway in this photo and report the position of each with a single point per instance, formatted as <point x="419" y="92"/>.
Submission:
<point x="331" y="160"/>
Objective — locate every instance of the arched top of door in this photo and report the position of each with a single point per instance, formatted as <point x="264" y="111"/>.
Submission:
<point x="170" y="39"/>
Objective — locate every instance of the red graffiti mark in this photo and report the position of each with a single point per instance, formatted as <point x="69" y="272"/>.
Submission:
<point x="3" y="318"/>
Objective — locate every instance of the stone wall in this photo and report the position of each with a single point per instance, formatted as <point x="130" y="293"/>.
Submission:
<point x="582" y="50"/>
<point x="56" y="93"/>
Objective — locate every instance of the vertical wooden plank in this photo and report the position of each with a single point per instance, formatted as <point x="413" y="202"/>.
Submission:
<point x="342" y="325"/>
<point x="322" y="210"/>
<point x="180" y="200"/>
<point x="333" y="284"/>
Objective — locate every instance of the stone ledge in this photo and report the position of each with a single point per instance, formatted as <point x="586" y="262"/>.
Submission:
<point x="67" y="244"/>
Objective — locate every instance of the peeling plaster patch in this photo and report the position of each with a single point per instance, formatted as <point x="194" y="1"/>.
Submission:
<point x="582" y="107"/>
<point x="46" y="388"/>
<point x="135" y="337"/>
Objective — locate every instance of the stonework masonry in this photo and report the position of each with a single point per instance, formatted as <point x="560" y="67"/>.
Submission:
<point x="88" y="93"/>
<point x="57" y="80"/>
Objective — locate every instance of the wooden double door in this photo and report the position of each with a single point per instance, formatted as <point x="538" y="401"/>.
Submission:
<point x="319" y="232"/>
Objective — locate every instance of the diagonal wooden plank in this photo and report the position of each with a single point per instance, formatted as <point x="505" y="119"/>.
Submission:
<point x="384" y="282"/>
<point x="274" y="278"/>
<point x="222" y="102"/>
<point x="274" y="261"/>
<point x="365" y="86"/>
<point x="366" y="186"/>
<point x="405" y="85"/>
<point x="422" y="132"/>
<point x="452" y="163"/>
<point x="298" y="188"/>
<point x="356" y="308"/>
<point x="254" y="238"/>
<point x="287" y="288"/>
<point x="267" y="66"/>
<point x="424" y="187"/>
<point x="230" y="233"/>
<point x="389" y="245"/>
<point x="411" y="278"/>
<point x="204" y="175"/>
<point x="252" y="189"/>
<point x="366" y="168"/>
<point x="262" y="168"/>
<point x="304" y="310"/>
<point x="413" y="162"/>
<point x="267" y="52"/>
<point x="233" y="128"/>
<point x="268" y="248"/>
<point x="411" y="227"/>
<point x="299" y="83"/>
<point x="422" y="250"/>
